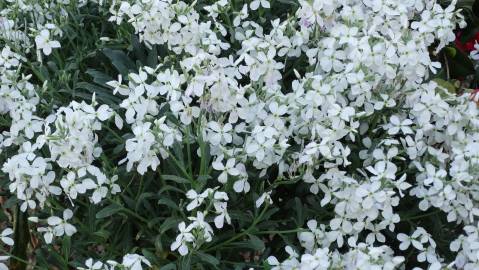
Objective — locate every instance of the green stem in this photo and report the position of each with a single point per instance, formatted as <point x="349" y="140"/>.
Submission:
<point x="421" y="216"/>
<point x="21" y="239"/>
<point x="188" y="148"/>
<point x="203" y="153"/>
<point x="140" y="188"/>
<point x="282" y="232"/>
<point x="114" y="133"/>
<point x="182" y="169"/>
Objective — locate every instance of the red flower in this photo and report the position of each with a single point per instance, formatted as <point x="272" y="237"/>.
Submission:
<point x="469" y="45"/>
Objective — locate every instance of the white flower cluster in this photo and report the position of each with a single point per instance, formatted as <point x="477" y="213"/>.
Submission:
<point x="129" y="262"/>
<point x="68" y="135"/>
<point x="5" y="238"/>
<point x="446" y="174"/>
<point x="72" y="144"/>
<point x="72" y="147"/>
<point x="18" y="100"/>
<point x="33" y="24"/>
<point x="361" y="257"/>
<point x="467" y="248"/>
<point x="199" y="231"/>
<point x="366" y="88"/>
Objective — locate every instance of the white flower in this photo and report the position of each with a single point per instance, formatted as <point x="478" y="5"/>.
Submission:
<point x="47" y="233"/>
<point x="228" y="169"/>
<point x="201" y="225"/>
<point x="184" y="237"/>
<point x="134" y="261"/>
<point x="104" y="112"/>
<point x="61" y="226"/>
<point x="276" y="117"/>
<point x="186" y="112"/>
<point x="72" y="188"/>
<point x="118" y="87"/>
<point x="44" y="42"/>
<point x="242" y="185"/>
<point x="5" y="236"/>
<point x="221" y="210"/>
<point x="3" y="259"/>
<point x="406" y="240"/>
<point x="91" y="265"/>
<point x="196" y="199"/>
<point x="256" y="3"/>
<point x="398" y="125"/>
<point x="434" y="176"/>
<point x="383" y="170"/>
<point x="265" y="197"/>
<point x="219" y="134"/>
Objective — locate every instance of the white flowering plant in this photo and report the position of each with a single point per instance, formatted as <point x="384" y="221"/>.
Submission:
<point x="288" y="134"/>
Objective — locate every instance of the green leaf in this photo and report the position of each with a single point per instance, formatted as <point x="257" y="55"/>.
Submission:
<point x="150" y="256"/>
<point x="176" y="179"/>
<point x="169" y="223"/>
<point x="186" y="262"/>
<point x="138" y="50"/>
<point x="41" y="72"/>
<point x="102" y="234"/>
<point x="66" y="246"/>
<point x="170" y="203"/>
<point x="447" y="85"/>
<point x="120" y="61"/>
<point x="108" y="211"/>
<point x="10" y="202"/>
<point x="98" y="76"/>
<point x="152" y="60"/>
<point x="256" y="243"/>
<point x="299" y="212"/>
<point x="170" y="266"/>
<point x="207" y="258"/>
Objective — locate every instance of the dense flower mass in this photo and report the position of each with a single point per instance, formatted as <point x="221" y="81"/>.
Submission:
<point x="234" y="115"/>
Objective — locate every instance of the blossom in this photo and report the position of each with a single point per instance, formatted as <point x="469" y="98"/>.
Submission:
<point x="254" y="5"/>
<point x="91" y="265"/>
<point x="3" y="266"/>
<point x="5" y="236"/>
<point x="219" y="133"/>
<point x="134" y="261"/>
<point x="406" y="241"/>
<point x="398" y="125"/>
<point x="196" y="199"/>
<point x="61" y="226"/>
<point x="227" y="169"/>
<point x="221" y="209"/>
<point x="44" y="43"/>
<point x="47" y="233"/>
<point x="185" y="236"/>
<point x="265" y="197"/>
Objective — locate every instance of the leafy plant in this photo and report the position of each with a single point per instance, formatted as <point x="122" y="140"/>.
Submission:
<point x="237" y="135"/>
